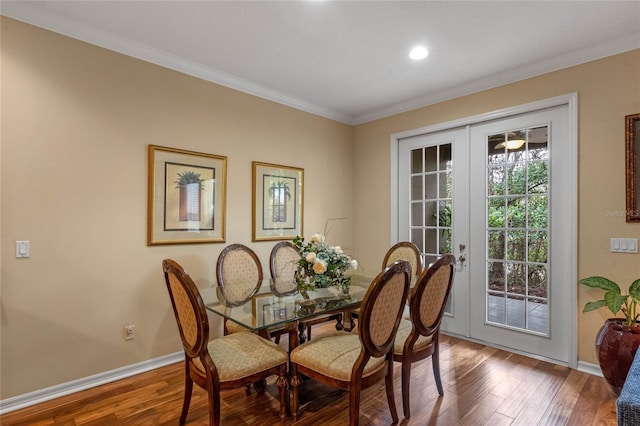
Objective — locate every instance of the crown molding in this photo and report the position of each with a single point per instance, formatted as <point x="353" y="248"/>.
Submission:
<point x="71" y="28"/>
<point x="574" y="58"/>
<point x="35" y="16"/>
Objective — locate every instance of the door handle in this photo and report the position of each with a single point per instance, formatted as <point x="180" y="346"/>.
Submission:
<point x="462" y="257"/>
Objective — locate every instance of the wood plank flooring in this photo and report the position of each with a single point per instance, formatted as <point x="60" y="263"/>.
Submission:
<point x="483" y="386"/>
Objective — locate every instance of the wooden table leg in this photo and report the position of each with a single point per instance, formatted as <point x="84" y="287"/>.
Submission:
<point x="292" y="329"/>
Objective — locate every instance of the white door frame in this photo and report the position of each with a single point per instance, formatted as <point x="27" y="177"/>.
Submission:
<point x="571" y="100"/>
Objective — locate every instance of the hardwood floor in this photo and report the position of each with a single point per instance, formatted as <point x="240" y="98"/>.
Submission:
<point x="482" y="385"/>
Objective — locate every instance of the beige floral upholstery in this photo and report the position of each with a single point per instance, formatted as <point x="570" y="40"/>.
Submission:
<point x="353" y="361"/>
<point x="403" y="332"/>
<point x="234" y="327"/>
<point x="434" y="297"/>
<point x="284" y="261"/>
<point x="243" y="354"/>
<point x="407" y="253"/>
<point x="232" y="361"/>
<point x="404" y="250"/>
<point x="184" y="310"/>
<point x="240" y="274"/>
<point x="417" y="339"/>
<point x="334" y="355"/>
<point x="385" y="310"/>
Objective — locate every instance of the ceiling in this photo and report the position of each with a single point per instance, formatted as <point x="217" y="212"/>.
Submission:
<point x="348" y="60"/>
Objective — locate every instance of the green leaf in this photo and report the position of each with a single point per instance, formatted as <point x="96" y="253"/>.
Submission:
<point x="592" y="306"/>
<point x="614" y="301"/>
<point x="602" y="283"/>
<point x="634" y="290"/>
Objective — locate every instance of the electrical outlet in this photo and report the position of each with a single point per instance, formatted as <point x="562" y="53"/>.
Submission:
<point x="129" y="332"/>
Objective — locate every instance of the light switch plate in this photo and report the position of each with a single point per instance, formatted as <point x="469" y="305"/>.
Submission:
<point x="22" y="249"/>
<point x="624" y="245"/>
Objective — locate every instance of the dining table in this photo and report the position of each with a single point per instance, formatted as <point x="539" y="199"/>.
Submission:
<point x="270" y="307"/>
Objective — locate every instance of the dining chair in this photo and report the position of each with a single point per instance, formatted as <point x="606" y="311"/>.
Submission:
<point x="239" y="274"/>
<point x="355" y="361"/>
<point x="403" y="250"/>
<point x="283" y="263"/>
<point x="418" y="338"/>
<point x="213" y="365"/>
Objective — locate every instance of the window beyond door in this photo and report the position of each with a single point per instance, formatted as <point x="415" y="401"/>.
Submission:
<point x="517" y="229"/>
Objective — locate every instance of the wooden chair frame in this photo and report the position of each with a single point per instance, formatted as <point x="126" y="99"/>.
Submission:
<point x="195" y="349"/>
<point x="220" y="278"/>
<point x="369" y="348"/>
<point x="307" y="324"/>
<point x="416" y="266"/>
<point x="419" y="328"/>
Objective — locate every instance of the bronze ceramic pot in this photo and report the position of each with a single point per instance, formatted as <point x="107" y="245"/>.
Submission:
<point x="616" y="345"/>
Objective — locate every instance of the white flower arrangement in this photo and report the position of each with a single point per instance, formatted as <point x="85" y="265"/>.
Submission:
<point x="321" y="265"/>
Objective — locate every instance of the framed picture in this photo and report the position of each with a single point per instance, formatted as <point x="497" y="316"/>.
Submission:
<point x="277" y="202"/>
<point x="186" y="201"/>
<point x="268" y="309"/>
<point x="632" y="132"/>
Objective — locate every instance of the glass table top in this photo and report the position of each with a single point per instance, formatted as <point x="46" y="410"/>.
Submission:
<point x="270" y="306"/>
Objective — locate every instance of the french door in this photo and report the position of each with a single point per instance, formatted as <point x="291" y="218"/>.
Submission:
<point x="496" y="194"/>
<point x="433" y="208"/>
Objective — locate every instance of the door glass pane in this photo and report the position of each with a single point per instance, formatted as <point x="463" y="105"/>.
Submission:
<point x="431" y="197"/>
<point x="431" y="159"/>
<point x="416" y="214"/>
<point x="431" y="186"/>
<point x="517" y="229"/>
<point x="416" y="161"/>
<point x="416" y="188"/>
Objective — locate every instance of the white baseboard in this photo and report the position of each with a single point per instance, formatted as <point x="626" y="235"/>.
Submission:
<point x="587" y="367"/>
<point x="42" y="395"/>
<point x="36" y="397"/>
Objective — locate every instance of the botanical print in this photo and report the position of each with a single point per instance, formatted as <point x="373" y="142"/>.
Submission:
<point x="279" y="207"/>
<point x="190" y="193"/>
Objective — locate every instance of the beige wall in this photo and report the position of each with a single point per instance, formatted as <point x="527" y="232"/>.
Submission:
<point x="608" y="90"/>
<point x="76" y="123"/>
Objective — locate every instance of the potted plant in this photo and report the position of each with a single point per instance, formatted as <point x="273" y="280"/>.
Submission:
<point x="190" y="184"/>
<point x="619" y="338"/>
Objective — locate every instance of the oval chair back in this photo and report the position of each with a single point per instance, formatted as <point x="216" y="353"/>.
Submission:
<point x="405" y="250"/>
<point x="213" y="365"/>
<point x="418" y="338"/>
<point x="239" y="273"/>
<point x="283" y="262"/>
<point x="354" y="361"/>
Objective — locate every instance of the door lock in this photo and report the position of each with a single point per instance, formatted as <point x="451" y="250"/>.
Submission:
<point x="462" y="257"/>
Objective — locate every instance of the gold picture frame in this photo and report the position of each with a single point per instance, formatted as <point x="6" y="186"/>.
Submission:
<point x="277" y="205"/>
<point x="632" y="157"/>
<point x="186" y="197"/>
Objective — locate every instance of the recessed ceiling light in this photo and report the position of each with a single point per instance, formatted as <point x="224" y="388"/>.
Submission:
<point x="418" y="52"/>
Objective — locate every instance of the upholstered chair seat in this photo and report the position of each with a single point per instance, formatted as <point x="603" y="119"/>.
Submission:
<point x="403" y="333"/>
<point x="241" y="355"/>
<point x="404" y="250"/>
<point x="228" y="362"/>
<point x="355" y="361"/>
<point x="239" y="275"/>
<point x="283" y="263"/>
<point x="334" y="354"/>
<point x="418" y="338"/>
